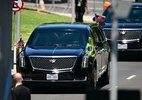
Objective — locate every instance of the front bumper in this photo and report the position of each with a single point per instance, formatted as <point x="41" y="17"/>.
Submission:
<point x="131" y="49"/>
<point x="66" y="78"/>
<point x="55" y="82"/>
<point x="127" y="45"/>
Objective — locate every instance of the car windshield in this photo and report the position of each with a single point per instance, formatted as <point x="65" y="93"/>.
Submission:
<point x="135" y="16"/>
<point x="61" y="37"/>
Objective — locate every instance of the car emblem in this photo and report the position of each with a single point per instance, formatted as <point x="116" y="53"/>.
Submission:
<point x="52" y="60"/>
<point x="122" y="32"/>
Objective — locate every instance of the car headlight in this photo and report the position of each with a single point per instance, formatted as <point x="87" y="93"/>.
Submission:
<point x="85" y="61"/>
<point x="22" y="60"/>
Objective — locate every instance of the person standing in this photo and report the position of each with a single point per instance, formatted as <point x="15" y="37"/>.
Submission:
<point x="19" y="91"/>
<point x="81" y="7"/>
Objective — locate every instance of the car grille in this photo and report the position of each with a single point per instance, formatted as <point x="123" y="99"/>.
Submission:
<point x="128" y="34"/>
<point x="50" y="63"/>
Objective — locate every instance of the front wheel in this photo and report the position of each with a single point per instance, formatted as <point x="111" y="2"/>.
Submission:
<point x="93" y="82"/>
<point x="104" y="80"/>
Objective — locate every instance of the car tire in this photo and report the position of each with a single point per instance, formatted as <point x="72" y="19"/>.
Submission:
<point x="104" y="80"/>
<point x="93" y="82"/>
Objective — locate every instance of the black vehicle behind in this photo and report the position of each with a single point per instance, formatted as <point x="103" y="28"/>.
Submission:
<point x="129" y="30"/>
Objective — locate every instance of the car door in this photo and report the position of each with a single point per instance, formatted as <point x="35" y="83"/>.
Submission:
<point x="103" y="50"/>
<point x="98" y="55"/>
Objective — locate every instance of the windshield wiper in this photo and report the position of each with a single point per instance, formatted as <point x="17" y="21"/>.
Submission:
<point x="68" y="45"/>
<point x="45" y="45"/>
<point x="75" y="44"/>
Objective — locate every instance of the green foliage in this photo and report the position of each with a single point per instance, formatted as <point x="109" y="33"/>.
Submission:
<point x="31" y="19"/>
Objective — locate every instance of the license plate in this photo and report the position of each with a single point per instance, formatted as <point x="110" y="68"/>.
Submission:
<point x="52" y="76"/>
<point x="122" y="46"/>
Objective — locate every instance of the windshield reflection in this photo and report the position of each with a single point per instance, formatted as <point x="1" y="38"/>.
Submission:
<point x="134" y="16"/>
<point x="59" y="38"/>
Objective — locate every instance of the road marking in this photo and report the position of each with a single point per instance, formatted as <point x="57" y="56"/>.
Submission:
<point x="132" y="76"/>
<point x="111" y="88"/>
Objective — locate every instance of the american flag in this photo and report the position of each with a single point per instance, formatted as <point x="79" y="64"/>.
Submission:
<point x="20" y="43"/>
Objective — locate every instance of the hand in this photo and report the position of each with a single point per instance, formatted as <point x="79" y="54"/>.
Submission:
<point x="87" y="12"/>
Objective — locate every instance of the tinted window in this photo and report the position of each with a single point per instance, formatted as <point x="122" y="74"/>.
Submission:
<point x="97" y="34"/>
<point x="100" y="36"/>
<point x="94" y="34"/>
<point x="66" y="36"/>
<point x="134" y="16"/>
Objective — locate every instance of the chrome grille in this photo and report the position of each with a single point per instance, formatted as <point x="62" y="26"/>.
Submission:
<point x="128" y="34"/>
<point x="49" y="63"/>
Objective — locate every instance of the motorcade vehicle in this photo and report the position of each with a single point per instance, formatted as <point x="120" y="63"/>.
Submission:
<point x="65" y="53"/>
<point x="129" y="30"/>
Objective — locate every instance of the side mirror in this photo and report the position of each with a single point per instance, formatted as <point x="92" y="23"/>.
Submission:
<point x="98" y="44"/>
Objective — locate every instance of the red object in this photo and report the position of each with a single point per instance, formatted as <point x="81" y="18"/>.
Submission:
<point x="106" y="4"/>
<point x="20" y="43"/>
<point x="17" y="5"/>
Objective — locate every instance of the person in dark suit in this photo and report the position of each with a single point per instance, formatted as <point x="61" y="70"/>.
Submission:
<point x="19" y="91"/>
<point x="81" y="7"/>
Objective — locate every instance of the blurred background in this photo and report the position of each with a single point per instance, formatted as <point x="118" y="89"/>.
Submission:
<point x="65" y="6"/>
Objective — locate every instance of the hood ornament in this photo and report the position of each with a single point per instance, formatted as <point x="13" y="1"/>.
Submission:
<point x="52" y="61"/>
<point x="122" y="32"/>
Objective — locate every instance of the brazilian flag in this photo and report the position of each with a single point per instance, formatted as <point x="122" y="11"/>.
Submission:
<point x="90" y="49"/>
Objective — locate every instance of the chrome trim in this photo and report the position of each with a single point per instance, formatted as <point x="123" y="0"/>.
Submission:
<point x="52" y="60"/>
<point x="53" y="70"/>
<point x="52" y="56"/>
<point x="75" y="80"/>
<point x="122" y="32"/>
<point x="132" y="40"/>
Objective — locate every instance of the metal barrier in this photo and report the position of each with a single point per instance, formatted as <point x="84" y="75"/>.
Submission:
<point x="93" y="6"/>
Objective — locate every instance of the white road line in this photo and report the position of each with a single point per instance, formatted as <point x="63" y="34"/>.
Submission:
<point x="132" y="76"/>
<point x="111" y="88"/>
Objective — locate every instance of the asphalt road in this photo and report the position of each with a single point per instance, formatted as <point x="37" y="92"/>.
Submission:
<point x="129" y="77"/>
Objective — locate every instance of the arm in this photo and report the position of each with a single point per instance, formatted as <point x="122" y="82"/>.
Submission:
<point x="86" y="8"/>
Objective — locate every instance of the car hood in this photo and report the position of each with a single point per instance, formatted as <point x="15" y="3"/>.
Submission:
<point x="124" y="25"/>
<point x="50" y="51"/>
